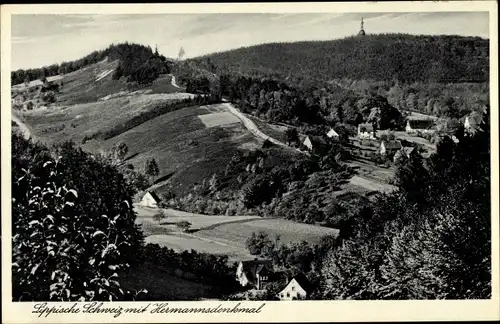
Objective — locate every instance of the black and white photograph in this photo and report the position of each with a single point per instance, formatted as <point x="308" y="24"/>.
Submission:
<point x="250" y="157"/>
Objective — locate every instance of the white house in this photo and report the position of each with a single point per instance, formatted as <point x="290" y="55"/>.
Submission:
<point x="150" y="199"/>
<point x="472" y="122"/>
<point x="298" y="288"/>
<point x="366" y="131"/>
<point x="308" y="143"/>
<point x="254" y="273"/>
<point x="405" y="153"/>
<point x="389" y="147"/>
<point x="332" y="134"/>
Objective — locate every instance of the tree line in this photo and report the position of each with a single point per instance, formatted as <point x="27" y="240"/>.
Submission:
<point x="388" y="57"/>
<point x="138" y="63"/>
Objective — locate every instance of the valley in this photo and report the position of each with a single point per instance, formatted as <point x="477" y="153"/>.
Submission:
<point x="181" y="173"/>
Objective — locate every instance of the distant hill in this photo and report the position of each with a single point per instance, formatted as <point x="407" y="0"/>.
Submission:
<point x="388" y="57"/>
<point x="137" y="63"/>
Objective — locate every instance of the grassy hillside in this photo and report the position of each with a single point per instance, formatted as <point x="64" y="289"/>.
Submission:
<point x="400" y="57"/>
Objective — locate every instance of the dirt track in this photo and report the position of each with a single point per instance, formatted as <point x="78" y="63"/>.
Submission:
<point x="250" y="125"/>
<point x="22" y="126"/>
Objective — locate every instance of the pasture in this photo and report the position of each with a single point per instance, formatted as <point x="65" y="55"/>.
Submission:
<point x="219" y="119"/>
<point x="223" y="234"/>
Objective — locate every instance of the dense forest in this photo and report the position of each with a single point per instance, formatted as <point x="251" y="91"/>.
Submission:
<point x="137" y="63"/>
<point x="391" y="57"/>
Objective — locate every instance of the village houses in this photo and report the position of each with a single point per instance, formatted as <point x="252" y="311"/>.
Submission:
<point x="366" y="131"/>
<point x="254" y="273"/>
<point x="472" y="122"/>
<point x="405" y="153"/>
<point x="389" y="147"/>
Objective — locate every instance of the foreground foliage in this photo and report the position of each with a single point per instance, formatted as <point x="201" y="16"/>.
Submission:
<point x="72" y="225"/>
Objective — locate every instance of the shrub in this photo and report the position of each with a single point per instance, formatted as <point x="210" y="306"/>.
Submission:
<point x="72" y="225"/>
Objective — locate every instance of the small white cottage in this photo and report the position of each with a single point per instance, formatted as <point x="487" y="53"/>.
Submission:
<point x="332" y="134"/>
<point x="366" y="131"/>
<point x="150" y="199"/>
<point x="298" y="288"/>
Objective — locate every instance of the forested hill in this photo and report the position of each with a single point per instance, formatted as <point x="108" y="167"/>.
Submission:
<point x="387" y="57"/>
<point x="137" y="63"/>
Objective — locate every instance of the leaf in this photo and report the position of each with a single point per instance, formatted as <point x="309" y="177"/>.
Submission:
<point x="112" y="267"/>
<point x="69" y="203"/>
<point x="73" y="191"/>
<point x="47" y="163"/>
<point x="91" y="261"/>
<point x="33" y="222"/>
<point x="33" y="270"/>
<point x="49" y="217"/>
<point x="98" y="233"/>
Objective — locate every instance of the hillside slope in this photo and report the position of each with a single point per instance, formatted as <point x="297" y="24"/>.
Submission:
<point x="388" y="57"/>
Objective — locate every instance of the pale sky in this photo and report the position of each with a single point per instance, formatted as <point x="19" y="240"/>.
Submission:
<point x="39" y="40"/>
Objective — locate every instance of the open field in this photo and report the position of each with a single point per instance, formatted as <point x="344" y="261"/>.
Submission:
<point x="76" y="121"/>
<point x="417" y="115"/>
<point x="219" y="119"/>
<point x="223" y="234"/>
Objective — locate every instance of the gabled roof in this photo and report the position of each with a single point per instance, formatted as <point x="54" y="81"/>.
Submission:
<point x="392" y="145"/>
<point x="475" y="118"/>
<point x="421" y="123"/>
<point x="367" y="126"/>
<point x="154" y="195"/>
<point x="408" y="150"/>
<point x="315" y="140"/>
<point x="303" y="282"/>
<point x="253" y="267"/>
<point x="331" y="133"/>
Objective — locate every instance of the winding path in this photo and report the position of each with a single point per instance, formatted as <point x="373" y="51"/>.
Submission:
<point x="22" y="126"/>
<point x="173" y="82"/>
<point x="250" y="125"/>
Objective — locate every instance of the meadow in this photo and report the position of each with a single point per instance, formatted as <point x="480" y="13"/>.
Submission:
<point x="223" y="234"/>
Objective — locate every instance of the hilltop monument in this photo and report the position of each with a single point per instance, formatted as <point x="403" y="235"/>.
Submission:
<point x="362" y="31"/>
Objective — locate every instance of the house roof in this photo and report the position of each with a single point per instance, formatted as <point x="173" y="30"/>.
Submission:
<point x="302" y="280"/>
<point x="367" y="126"/>
<point x="154" y="195"/>
<point x="408" y="150"/>
<point x="391" y="145"/>
<point x="332" y="132"/>
<point x="315" y="139"/>
<point x="475" y="118"/>
<point x="253" y="267"/>
<point x="421" y="123"/>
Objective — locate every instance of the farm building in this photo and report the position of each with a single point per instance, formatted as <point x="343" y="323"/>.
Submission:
<point x="308" y="143"/>
<point x="389" y="147"/>
<point x="254" y="273"/>
<point x="472" y="122"/>
<point x="405" y="153"/>
<point x="150" y="199"/>
<point x="366" y="131"/>
<point x="419" y="125"/>
<point x="314" y="142"/>
<point x="38" y="84"/>
<point x="332" y="134"/>
<point x="298" y="288"/>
